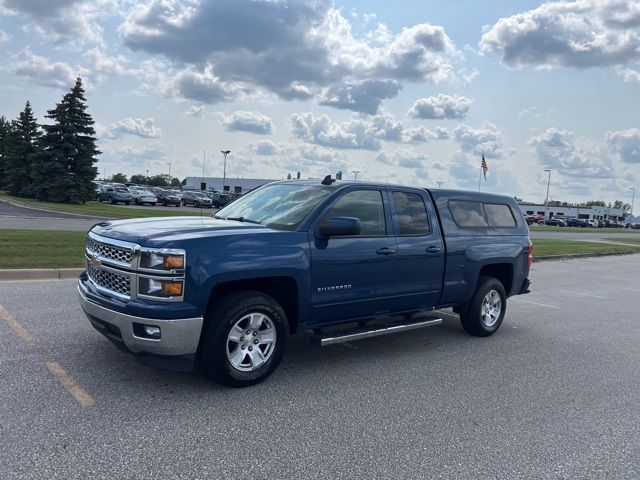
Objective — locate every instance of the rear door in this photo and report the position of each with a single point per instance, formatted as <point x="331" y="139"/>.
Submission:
<point x="421" y="253"/>
<point x="353" y="276"/>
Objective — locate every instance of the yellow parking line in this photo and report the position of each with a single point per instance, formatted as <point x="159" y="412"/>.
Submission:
<point x="83" y="397"/>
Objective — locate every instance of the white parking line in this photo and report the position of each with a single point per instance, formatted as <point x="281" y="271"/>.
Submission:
<point x="585" y="294"/>
<point x="532" y="303"/>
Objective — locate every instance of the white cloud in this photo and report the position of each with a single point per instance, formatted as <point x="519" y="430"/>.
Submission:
<point x="558" y="150"/>
<point x="242" y="121"/>
<point x="265" y="147"/>
<point x="441" y="107"/>
<point x="630" y="75"/>
<point x="196" y="111"/>
<point x="361" y="132"/>
<point x="74" y="21"/>
<point x="580" y="34"/>
<point x="626" y="143"/>
<point x="365" y="96"/>
<point x="42" y="71"/>
<point x="487" y="140"/>
<point x="4" y="36"/>
<point x="203" y="86"/>
<point x="145" y="128"/>
<point x="290" y="47"/>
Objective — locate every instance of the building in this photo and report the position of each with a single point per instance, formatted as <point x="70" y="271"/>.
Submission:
<point x="585" y="213"/>
<point x="233" y="185"/>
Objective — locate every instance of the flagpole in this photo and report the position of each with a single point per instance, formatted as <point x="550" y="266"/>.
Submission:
<point x="480" y="177"/>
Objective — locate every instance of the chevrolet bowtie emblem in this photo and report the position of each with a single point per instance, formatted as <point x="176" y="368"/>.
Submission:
<point x="95" y="261"/>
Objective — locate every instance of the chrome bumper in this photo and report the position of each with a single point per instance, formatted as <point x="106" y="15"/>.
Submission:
<point x="178" y="336"/>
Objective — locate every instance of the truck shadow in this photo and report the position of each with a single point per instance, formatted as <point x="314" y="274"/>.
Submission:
<point x="397" y="355"/>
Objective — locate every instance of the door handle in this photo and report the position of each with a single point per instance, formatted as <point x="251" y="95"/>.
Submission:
<point x="432" y="249"/>
<point x="385" y="251"/>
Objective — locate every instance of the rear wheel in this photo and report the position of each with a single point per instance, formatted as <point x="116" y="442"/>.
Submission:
<point x="127" y="203"/>
<point x="483" y="315"/>
<point x="112" y="201"/>
<point x="244" y="338"/>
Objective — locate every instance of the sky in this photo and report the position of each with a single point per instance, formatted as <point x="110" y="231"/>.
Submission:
<point x="411" y="91"/>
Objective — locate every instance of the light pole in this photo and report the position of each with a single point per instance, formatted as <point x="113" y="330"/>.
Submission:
<point x="633" y="199"/>
<point x="169" y="171"/>
<point x="147" y="179"/>
<point x="440" y="182"/>
<point x="224" y="168"/>
<point x="355" y="175"/>
<point x="546" y="200"/>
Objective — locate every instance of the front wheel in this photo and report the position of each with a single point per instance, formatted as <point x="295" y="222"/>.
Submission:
<point x="244" y="338"/>
<point x="483" y="315"/>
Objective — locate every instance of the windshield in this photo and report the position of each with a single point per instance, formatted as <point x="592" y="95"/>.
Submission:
<point x="279" y="206"/>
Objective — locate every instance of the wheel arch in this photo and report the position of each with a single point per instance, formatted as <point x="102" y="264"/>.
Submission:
<point x="283" y="289"/>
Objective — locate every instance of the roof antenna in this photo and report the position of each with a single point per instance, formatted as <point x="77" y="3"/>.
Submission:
<point x="328" y="180"/>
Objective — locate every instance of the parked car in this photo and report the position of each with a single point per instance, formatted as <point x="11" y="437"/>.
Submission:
<point x="196" y="199"/>
<point x="576" y="222"/>
<point x="114" y="194"/>
<point x="592" y="223"/>
<point x="296" y="256"/>
<point x="168" y="197"/>
<point x="555" y="222"/>
<point x="535" y="219"/>
<point x="142" y="196"/>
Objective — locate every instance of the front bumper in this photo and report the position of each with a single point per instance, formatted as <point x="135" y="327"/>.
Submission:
<point x="174" y="350"/>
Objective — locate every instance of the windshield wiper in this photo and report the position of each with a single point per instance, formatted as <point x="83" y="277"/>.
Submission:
<point x="241" y="219"/>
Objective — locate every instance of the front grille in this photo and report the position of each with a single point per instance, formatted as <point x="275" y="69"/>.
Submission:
<point x="110" y="252"/>
<point x="114" y="282"/>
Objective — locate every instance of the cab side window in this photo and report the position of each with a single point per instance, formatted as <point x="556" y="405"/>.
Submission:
<point x="367" y="206"/>
<point x="411" y="214"/>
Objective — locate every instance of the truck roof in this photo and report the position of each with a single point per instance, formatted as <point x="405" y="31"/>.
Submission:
<point x="436" y="192"/>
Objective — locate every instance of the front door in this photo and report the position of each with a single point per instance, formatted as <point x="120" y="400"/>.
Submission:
<point x="352" y="275"/>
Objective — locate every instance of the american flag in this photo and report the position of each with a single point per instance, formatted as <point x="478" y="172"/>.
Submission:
<point x="484" y="167"/>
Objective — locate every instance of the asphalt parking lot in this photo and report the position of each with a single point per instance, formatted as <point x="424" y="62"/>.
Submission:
<point x="554" y="394"/>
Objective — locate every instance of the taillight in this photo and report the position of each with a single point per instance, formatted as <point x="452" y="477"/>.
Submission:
<point x="530" y="254"/>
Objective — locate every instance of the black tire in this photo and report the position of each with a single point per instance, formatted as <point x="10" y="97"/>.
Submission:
<point x="219" y="320"/>
<point x="164" y="203"/>
<point x="127" y="203"/>
<point x="112" y="201"/>
<point x="470" y="315"/>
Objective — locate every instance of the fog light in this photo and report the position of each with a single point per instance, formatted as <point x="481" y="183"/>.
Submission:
<point x="146" y="331"/>
<point x="152" y="331"/>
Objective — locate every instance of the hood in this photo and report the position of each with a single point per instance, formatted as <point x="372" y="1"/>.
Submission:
<point x="156" y="231"/>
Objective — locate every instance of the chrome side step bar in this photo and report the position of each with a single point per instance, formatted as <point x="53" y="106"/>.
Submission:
<point x="331" y="338"/>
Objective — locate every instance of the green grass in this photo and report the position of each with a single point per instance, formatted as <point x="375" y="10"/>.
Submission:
<point x="543" y="247"/>
<point x="635" y="241"/>
<point x="548" y="228"/>
<point x="100" y="210"/>
<point x="41" y="249"/>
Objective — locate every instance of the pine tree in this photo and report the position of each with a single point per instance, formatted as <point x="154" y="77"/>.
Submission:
<point x="5" y="129"/>
<point x="65" y="168"/>
<point x="20" y="151"/>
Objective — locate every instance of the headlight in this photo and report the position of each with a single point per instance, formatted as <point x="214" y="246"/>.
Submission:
<point x="160" y="287"/>
<point x="165" y="259"/>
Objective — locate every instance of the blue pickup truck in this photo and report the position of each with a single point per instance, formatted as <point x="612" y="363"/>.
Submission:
<point x="342" y="260"/>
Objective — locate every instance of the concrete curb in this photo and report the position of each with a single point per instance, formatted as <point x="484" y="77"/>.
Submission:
<point x="39" y="273"/>
<point x="17" y="203"/>
<point x="547" y="258"/>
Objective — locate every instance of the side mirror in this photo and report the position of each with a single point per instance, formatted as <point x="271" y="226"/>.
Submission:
<point x="339" y="226"/>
